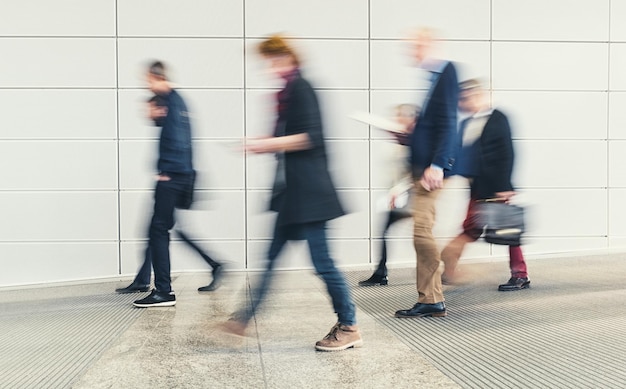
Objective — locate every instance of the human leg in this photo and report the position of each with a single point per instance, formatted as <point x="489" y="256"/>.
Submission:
<point x="315" y="234"/>
<point x="428" y="274"/>
<point x="380" y="274"/>
<point x="258" y="293"/>
<point x="428" y="278"/>
<point x="345" y="333"/>
<point x="451" y="254"/>
<point x="519" y="273"/>
<point x="217" y="268"/>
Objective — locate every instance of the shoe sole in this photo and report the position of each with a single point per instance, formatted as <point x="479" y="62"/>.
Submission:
<point x="132" y="291"/>
<point x="513" y="289"/>
<point x="355" y="344"/>
<point x="163" y="304"/>
<point x="434" y="314"/>
<point x="373" y="284"/>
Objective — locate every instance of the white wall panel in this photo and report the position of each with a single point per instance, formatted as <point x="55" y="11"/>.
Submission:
<point x="568" y="160"/>
<point x="618" y="29"/>
<point x="457" y="19"/>
<point x="347" y="253"/>
<point x="311" y="19"/>
<point x="325" y="63"/>
<point x="355" y="224"/>
<point x="56" y="62"/>
<point x="260" y="171"/>
<point x="68" y="216"/>
<point x="617" y="115"/>
<point x="220" y="165"/>
<point x="138" y="164"/>
<point x="337" y="106"/>
<point x="260" y="112"/>
<point x="198" y="18"/>
<point x="555" y="245"/>
<point x="554" y="20"/>
<point x="617" y="161"/>
<point x="555" y="115"/>
<point x="59" y="164"/>
<point x="348" y="162"/>
<point x="550" y="66"/>
<point x="33" y="263"/>
<point x="617" y="204"/>
<point x="259" y="220"/>
<point x="58" y="114"/>
<point x="58" y="18"/>
<point x="617" y="63"/>
<point x="566" y="212"/>
<point x="208" y="63"/>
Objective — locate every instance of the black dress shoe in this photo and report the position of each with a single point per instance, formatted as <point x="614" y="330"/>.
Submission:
<point x="375" y="280"/>
<point x="423" y="310"/>
<point x="133" y="288"/>
<point x="218" y="272"/>
<point x="515" y="283"/>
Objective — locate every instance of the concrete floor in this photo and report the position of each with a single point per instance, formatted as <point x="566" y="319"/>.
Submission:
<point x="106" y="343"/>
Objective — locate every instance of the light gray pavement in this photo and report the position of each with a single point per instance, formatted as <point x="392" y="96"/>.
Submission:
<point x="568" y="330"/>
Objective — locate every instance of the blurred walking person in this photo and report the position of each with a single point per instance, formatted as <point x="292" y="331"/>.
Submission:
<point x="486" y="158"/>
<point x="432" y="153"/>
<point x="174" y="188"/>
<point x="303" y="195"/>
<point x="400" y="197"/>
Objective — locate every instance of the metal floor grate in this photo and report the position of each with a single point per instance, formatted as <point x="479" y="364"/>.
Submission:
<point x="47" y="343"/>
<point x="567" y="331"/>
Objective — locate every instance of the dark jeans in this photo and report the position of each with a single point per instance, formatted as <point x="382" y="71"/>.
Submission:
<point x="393" y="216"/>
<point x="315" y="235"/>
<point x="167" y="195"/>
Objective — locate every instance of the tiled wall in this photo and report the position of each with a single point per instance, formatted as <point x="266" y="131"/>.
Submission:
<point x="78" y="154"/>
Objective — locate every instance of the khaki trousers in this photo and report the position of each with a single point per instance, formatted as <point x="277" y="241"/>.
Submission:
<point x="428" y="273"/>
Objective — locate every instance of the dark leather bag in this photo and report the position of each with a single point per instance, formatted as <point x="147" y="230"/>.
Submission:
<point x="501" y="223"/>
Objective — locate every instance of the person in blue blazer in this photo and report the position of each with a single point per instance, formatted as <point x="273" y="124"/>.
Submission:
<point x="432" y="146"/>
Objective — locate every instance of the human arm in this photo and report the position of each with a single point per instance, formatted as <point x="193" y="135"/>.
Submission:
<point x="279" y="144"/>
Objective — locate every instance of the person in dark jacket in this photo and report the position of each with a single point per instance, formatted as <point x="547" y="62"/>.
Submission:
<point x="174" y="186"/>
<point x="157" y="112"/>
<point x="486" y="158"/>
<point x="432" y="155"/>
<point x="303" y="195"/>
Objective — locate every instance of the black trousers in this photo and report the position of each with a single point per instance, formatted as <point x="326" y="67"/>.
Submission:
<point x="393" y="216"/>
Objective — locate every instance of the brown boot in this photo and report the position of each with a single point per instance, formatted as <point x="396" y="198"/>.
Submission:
<point x="339" y="338"/>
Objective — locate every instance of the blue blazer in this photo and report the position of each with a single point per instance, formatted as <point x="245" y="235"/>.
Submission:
<point x="433" y="139"/>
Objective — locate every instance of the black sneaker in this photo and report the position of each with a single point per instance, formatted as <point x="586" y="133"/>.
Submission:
<point x="156" y="299"/>
<point x="515" y="283"/>
<point x="375" y="279"/>
<point x="218" y="272"/>
<point x="133" y="288"/>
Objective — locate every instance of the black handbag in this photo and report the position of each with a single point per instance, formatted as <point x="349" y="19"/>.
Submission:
<point x="501" y="223"/>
